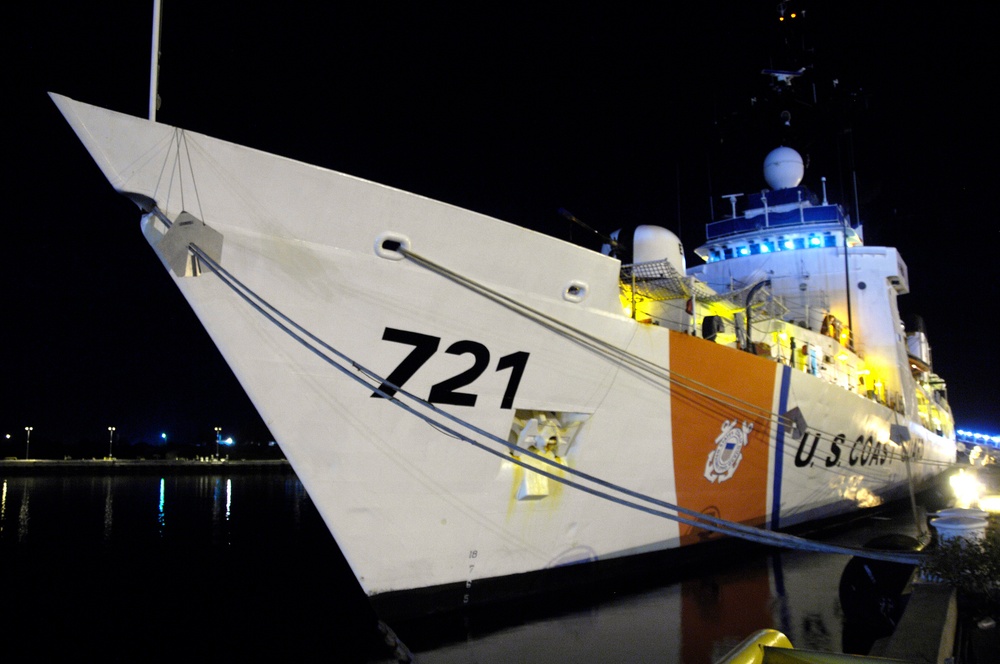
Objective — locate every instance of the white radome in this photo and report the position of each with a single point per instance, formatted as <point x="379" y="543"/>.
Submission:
<point x="783" y="168"/>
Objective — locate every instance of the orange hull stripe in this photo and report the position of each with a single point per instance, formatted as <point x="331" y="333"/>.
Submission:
<point x="698" y="419"/>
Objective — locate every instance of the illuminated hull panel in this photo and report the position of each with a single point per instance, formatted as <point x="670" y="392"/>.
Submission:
<point x="509" y="335"/>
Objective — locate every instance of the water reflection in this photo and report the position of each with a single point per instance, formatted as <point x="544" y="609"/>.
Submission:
<point x="3" y="506"/>
<point x="22" y="515"/>
<point x="161" y="514"/>
<point x="111" y="580"/>
<point x="276" y="538"/>
<point x="108" y="509"/>
<point x="698" y="619"/>
<point x="128" y="508"/>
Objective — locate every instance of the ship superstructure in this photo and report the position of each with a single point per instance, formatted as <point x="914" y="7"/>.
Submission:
<point x="790" y="278"/>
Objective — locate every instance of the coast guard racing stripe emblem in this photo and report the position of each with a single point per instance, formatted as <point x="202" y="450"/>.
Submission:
<point x="725" y="458"/>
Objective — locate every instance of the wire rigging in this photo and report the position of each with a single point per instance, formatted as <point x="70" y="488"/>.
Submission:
<point x="653" y="506"/>
<point x="623" y="356"/>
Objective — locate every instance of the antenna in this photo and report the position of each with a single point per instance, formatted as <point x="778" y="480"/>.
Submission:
<point x="732" y="201"/>
<point x="615" y="244"/>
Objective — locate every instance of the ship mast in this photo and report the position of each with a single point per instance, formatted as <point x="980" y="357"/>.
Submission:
<point x="154" y="62"/>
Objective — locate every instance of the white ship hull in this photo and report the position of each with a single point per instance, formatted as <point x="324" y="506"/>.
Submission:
<point x="413" y="507"/>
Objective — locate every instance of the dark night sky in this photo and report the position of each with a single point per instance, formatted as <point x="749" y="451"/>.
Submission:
<point x="513" y="112"/>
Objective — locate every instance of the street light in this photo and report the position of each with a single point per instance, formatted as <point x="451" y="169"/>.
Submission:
<point x="111" y="442"/>
<point x="27" y="441"/>
<point x="218" y="435"/>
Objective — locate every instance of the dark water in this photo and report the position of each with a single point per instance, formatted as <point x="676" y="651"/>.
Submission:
<point x="183" y="568"/>
<point x="226" y="567"/>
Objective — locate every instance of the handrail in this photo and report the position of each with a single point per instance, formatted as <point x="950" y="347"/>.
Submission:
<point x="803" y="216"/>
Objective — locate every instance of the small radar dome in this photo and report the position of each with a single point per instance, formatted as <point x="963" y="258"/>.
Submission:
<point x="783" y="168"/>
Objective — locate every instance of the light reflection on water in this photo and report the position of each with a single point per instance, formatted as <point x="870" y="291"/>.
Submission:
<point x="262" y="531"/>
<point x="122" y="508"/>
<point x="694" y="620"/>
<point x="161" y="516"/>
<point x="108" y="510"/>
<point x="22" y="515"/>
<point x="700" y="618"/>
<point x="225" y="565"/>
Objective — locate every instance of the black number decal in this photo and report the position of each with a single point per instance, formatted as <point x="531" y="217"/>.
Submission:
<point x="444" y="392"/>
<point x="424" y="346"/>
<point x="516" y="363"/>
